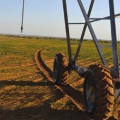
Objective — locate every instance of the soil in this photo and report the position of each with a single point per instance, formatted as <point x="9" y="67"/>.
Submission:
<point x="75" y="95"/>
<point x="36" y="97"/>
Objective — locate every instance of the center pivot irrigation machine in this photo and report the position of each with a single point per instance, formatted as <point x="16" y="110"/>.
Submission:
<point x="101" y="82"/>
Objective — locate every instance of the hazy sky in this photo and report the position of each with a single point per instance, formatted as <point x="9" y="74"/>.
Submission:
<point x="45" y="17"/>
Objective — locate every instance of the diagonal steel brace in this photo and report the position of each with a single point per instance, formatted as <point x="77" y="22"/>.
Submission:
<point x="92" y="32"/>
<point x="83" y="32"/>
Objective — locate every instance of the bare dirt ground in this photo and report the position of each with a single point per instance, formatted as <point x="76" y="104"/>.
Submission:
<point x="73" y="94"/>
<point x="76" y="96"/>
<point x="37" y="98"/>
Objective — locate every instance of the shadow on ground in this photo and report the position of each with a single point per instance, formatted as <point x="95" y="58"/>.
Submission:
<point x="35" y="113"/>
<point x="42" y="111"/>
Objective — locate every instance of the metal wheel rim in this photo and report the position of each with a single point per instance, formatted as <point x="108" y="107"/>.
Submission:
<point x="90" y="94"/>
<point x="55" y="70"/>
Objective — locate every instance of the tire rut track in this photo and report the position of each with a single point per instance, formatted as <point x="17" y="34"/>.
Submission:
<point x="74" y="95"/>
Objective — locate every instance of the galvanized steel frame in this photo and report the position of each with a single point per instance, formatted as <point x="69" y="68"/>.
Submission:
<point x="87" y="23"/>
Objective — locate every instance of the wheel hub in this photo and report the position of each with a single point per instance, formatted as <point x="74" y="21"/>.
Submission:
<point x="90" y="95"/>
<point x="55" y="70"/>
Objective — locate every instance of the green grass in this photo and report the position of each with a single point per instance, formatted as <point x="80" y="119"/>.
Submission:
<point x="16" y="52"/>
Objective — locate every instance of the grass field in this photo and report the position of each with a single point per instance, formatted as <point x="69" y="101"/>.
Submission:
<point x="24" y="92"/>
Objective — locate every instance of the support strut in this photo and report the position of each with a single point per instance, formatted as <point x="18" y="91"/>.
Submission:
<point x="83" y="32"/>
<point x="92" y="32"/>
<point x="114" y="39"/>
<point x="67" y="31"/>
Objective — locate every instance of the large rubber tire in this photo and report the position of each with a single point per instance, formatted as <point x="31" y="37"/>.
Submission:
<point x="60" y="69"/>
<point x="99" y="92"/>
